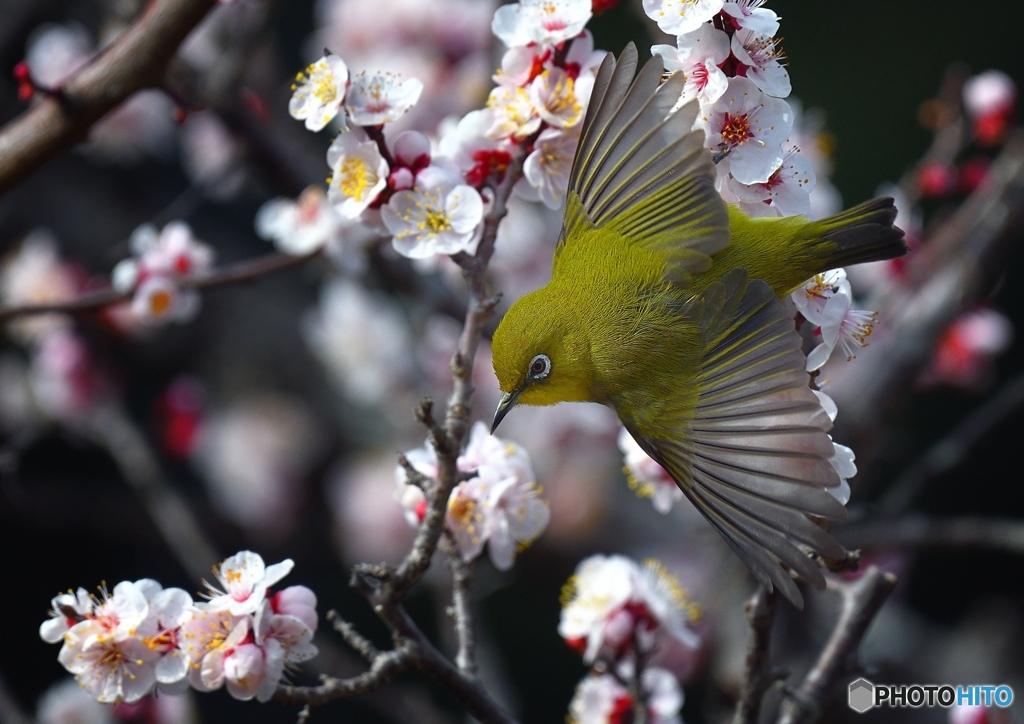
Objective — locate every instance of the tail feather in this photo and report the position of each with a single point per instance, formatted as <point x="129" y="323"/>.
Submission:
<point x="863" y="233"/>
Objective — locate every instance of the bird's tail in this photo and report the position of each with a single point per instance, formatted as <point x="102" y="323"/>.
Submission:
<point x="860" y="234"/>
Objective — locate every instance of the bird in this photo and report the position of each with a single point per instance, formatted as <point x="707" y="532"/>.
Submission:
<point x="666" y="303"/>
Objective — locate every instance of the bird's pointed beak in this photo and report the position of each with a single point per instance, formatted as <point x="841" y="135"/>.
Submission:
<point x="506" y="403"/>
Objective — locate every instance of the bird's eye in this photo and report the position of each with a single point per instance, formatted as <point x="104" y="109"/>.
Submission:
<point x="540" y="367"/>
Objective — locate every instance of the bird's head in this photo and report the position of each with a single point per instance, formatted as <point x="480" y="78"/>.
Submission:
<point x="541" y="354"/>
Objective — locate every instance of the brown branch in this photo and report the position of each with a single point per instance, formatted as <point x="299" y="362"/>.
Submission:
<point x="352" y="637"/>
<point x="461" y="609"/>
<point x="237" y="273"/>
<point x="136" y="60"/>
<point x="918" y="532"/>
<point x="861" y="601"/>
<point x="759" y="676"/>
<point x="385" y="586"/>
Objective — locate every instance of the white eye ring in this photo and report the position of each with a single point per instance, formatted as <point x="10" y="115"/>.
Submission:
<point x="540" y="367"/>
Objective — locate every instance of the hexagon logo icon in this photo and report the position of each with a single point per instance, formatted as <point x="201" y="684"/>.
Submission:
<point x="862" y="695"/>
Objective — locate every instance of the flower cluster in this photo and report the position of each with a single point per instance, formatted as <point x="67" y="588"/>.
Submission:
<point x="60" y="382"/>
<point x="500" y="505"/>
<point x="735" y="70"/>
<point x="433" y="203"/>
<point x="826" y="301"/>
<point x="123" y="645"/>
<point x="615" y="613"/>
<point x="162" y="260"/>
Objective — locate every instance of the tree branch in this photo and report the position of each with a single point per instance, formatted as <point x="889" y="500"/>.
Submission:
<point x="759" y="676"/>
<point x="861" y="601"/>
<point x="237" y="273"/>
<point x="917" y="532"/>
<point x="461" y="609"/>
<point x="385" y="586"/>
<point x="136" y="60"/>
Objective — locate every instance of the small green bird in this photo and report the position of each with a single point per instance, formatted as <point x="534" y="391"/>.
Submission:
<point x="664" y="303"/>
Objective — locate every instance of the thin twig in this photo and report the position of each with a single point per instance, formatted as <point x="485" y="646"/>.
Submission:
<point x="384" y="667"/>
<point x="237" y="273"/>
<point x="385" y="586"/>
<point x="352" y="637"/>
<point x="759" y="676"/>
<point x="948" y="452"/>
<point x="861" y="601"/>
<point x="461" y="609"/>
<point x="136" y="60"/>
<point x="918" y="532"/>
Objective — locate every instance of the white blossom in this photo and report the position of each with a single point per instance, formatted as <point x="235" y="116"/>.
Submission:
<point x="512" y="113"/>
<point x="475" y="153"/>
<point x="245" y="580"/>
<point x="787" y="192"/>
<point x="679" y="17"/>
<point x="159" y="299"/>
<point x="211" y="155"/>
<point x="66" y="610"/>
<point x="440" y="215"/>
<point x="602" y="699"/>
<point x="990" y="92"/>
<point x="646" y="477"/>
<point x="379" y="98"/>
<point x="750" y="15"/>
<point x="253" y="455"/>
<point x="842" y="462"/>
<point x="841" y="326"/>
<point x="522" y="63"/>
<point x="169" y="609"/>
<point x="751" y="128"/>
<point x="763" y="60"/>
<point x="559" y="99"/>
<point x="610" y="601"/>
<point x="302" y="226"/>
<point x="545" y="22"/>
<point x="547" y="168"/>
<point x="358" y="173"/>
<point x="106" y="653"/>
<point x="698" y="56"/>
<point x="35" y="274"/>
<point x="810" y="299"/>
<point x="319" y="92"/>
<point x="362" y="338"/>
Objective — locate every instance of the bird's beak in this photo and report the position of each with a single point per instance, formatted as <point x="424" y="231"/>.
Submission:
<point x="506" y="403"/>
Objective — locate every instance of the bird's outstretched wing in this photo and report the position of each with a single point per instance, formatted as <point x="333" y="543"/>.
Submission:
<point x="752" y="454"/>
<point x="641" y="170"/>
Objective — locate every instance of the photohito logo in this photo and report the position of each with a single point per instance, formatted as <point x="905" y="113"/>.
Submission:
<point x="864" y="695"/>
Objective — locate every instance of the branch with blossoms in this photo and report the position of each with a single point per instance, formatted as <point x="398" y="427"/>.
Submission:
<point x="64" y="115"/>
<point x="440" y="202"/>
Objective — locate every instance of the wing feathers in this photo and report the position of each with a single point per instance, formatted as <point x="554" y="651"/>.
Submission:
<point x="642" y="171"/>
<point x="754" y="454"/>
